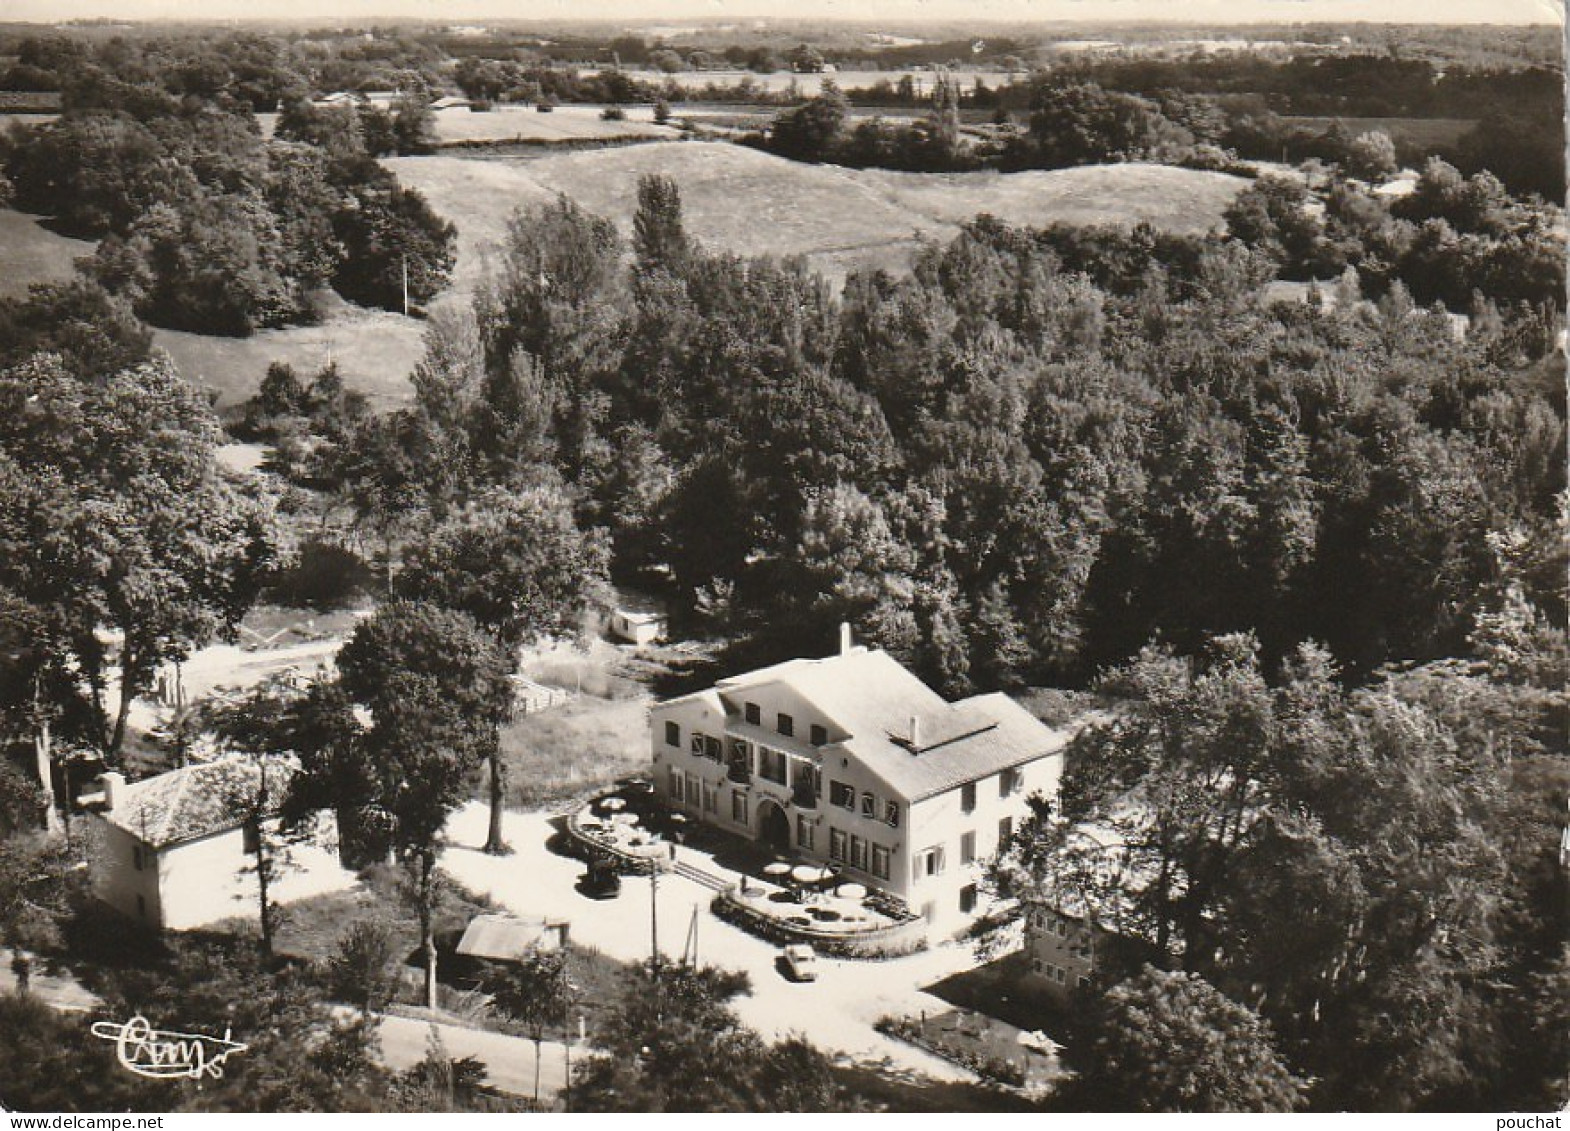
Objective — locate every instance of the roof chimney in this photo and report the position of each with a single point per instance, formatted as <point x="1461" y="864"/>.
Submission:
<point x="915" y="734"/>
<point x="844" y="638"/>
<point x="112" y="782"/>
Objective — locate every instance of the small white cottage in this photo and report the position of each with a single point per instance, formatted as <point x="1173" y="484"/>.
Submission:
<point x="176" y="851"/>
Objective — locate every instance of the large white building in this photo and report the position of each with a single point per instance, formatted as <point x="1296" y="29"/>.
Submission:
<point x="853" y="761"/>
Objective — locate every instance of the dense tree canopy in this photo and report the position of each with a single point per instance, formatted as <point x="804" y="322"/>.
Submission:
<point x="115" y="515"/>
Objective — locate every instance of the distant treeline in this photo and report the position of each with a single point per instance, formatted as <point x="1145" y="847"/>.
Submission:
<point x="1072" y="123"/>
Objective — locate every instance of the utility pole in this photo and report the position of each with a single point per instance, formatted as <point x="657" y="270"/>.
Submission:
<point x="43" y="753"/>
<point x="654" y="917"/>
<point x="689" y="954"/>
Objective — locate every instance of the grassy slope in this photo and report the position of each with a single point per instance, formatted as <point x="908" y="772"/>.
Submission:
<point x="741" y="200"/>
<point x="736" y="200"/>
<point x="374" y="349"/>
<point x="31" y="253"/>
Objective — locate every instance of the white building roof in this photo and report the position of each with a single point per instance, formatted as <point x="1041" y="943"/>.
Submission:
<point x="870" y="696"/>
<point x="198" y="800"/>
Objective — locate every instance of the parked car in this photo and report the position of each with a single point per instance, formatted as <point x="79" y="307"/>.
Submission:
<point x="801" y="962"/>
<point x="601" y="881"/>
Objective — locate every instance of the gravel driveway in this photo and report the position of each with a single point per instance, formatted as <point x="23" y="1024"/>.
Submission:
<point x="837" y="1012"/>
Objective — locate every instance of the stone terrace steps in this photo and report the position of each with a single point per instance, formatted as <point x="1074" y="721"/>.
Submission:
<point x="700" y="877"/>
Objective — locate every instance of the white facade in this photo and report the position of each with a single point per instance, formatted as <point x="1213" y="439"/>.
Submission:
<point x="165" y="855"/>
<point x="817" y="759"/>
<point x="637" y="628"/>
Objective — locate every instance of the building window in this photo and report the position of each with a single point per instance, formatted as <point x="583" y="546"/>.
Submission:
<point x="858" y="853"/>
<point x="738" y="806"/>
<point x="785" y="724"/>
<point x="804" y="833"/>
<point x="1060" y="974"/>
<point x="673" y="783"/>
<point x="136" y="857"/>
<point x="967" y="898"/>
<point x="842" y="795"/>
<point x="1008" y="782"/>
<point x="880" y="862"/>
<point x="837" y="843"/>
<point x="929" y="861"/>
<point x="739" y="765"/>
<point x="869" y="805"/>
<point x="771" y="765"/>
<point x="754" y="716"/>
<point x="711" y="797"/>
<point x="891" y="814"/>
<point x="712" y="749"/>
<point x="673" y="734"/>
<point x="695" y="745"/>
<point x="967" y="797"/>
<point x="1083" y="981"/>
<point x="1005" y="832"/>
<point x="967" y="848"/>
<point x="819" y="734"/>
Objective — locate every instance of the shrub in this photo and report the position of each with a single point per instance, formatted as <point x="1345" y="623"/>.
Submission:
<point x="613" y="114"/>
<point x="326" y="576"/>
<point x="363" y="971"/>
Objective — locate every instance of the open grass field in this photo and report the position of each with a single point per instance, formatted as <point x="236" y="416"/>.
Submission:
<point x="570" y="750"/>
<point x="745" y="201"/>
<point x="736" y="199"/>
<point x="375" y="351"/>
<point x="31" y="253"/>
<point x="1421" y="133"/>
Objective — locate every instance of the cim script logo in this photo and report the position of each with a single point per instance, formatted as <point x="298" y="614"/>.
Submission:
<point x="162" y="1055"/>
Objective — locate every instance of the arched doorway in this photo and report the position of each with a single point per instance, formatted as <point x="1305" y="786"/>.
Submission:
<point x="773" y="826"/>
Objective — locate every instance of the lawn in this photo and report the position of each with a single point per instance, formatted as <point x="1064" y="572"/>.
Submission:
<point x="375" y="350"/>
<point x="31" y="253"/>
<point x="742" y="200"/>
<point x="572" y="750"/>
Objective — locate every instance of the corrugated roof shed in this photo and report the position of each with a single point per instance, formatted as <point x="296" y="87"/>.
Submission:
<point x="505" y="938"/>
